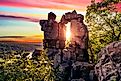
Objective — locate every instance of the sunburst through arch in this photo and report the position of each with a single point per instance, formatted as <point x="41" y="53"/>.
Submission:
<point x="68" y="33"/>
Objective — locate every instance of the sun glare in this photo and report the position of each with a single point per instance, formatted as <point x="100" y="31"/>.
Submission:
<point x="68" y="33"/>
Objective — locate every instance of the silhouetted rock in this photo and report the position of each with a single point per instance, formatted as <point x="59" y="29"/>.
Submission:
<point x="81" y="70"/>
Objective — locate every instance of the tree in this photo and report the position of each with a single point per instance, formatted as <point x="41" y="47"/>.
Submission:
<point x="104" y="22"/>
<point x="23" y="69"/>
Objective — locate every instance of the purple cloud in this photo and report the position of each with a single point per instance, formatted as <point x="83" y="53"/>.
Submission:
<point x="18" y="18"/>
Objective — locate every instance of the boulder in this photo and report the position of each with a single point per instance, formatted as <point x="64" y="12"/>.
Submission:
<point x="108" y="67"/>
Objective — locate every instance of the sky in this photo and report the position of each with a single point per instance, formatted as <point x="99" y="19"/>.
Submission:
<point x="19" y="19"/>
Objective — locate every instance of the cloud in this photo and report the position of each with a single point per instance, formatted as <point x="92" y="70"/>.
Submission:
<point x="12" y="36"/>
<point x="51" y="4"/>
<point x="18" y="18"/>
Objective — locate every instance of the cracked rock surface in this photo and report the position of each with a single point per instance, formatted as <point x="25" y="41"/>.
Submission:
<point x="108" y="67"/>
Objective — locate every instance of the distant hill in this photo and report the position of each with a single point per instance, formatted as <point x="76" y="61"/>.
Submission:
<point x="14" y="46"/>
<point x="25" y="39"/>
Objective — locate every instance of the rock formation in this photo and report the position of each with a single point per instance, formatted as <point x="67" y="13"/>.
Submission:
<point x="71" y="60"/>
<point x="50" y="28"/>
<point x="108" y="67"/>
<point x="79" y="35"/>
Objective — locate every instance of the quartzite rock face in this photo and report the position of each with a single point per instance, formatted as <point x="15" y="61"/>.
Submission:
<point x="108" y="67"/>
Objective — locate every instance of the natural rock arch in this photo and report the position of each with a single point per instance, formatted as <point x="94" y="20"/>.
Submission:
<point x="79" y="32"/>
<point x="55" y="37"/>
<point x="75" y="57"/>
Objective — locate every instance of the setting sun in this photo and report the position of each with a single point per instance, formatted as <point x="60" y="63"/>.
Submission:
<point x="68" y="33"/>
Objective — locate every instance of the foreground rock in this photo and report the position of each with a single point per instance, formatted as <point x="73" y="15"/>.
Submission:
<point x="108" y="67"/>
